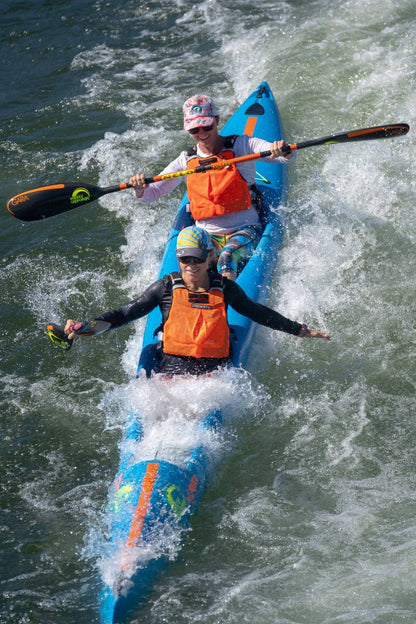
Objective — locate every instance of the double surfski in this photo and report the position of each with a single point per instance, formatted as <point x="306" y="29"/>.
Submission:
<point x="152" y="498"/>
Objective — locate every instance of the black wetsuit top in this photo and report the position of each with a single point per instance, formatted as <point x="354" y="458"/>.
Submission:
<point x="160" y="294"/>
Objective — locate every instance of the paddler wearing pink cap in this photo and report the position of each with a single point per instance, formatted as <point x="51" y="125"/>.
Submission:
<point x="225" y="202"/>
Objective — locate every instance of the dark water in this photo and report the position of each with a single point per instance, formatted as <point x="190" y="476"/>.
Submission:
<point x="312" y="516"/>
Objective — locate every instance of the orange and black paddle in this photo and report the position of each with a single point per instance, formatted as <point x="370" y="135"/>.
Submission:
<point x="47" y="201"/>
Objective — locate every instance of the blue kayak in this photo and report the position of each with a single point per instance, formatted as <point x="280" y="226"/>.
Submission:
<point x="155" y="498"/>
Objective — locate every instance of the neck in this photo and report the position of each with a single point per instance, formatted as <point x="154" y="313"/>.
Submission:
<point x="196" y="283"/>
<point x="212" y="147"/>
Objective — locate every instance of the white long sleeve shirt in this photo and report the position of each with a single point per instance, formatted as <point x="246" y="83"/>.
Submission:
<point x="230" y="222"/>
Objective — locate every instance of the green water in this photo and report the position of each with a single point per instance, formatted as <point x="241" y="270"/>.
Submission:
<point x="311" y="518"/>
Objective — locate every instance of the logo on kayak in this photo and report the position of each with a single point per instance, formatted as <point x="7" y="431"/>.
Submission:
<point x="260" y="178"/>
<point x="176" y="499"/>
<point x="80" y="195"/>
<point x="121" y="497"/>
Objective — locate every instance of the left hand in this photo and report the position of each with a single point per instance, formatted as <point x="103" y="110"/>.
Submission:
<point x="314" y="333"/>
<point x="138" y="183"/>
<point x="276" y="149"/>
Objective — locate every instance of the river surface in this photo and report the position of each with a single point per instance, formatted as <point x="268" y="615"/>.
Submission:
<point x="312" y="516"/>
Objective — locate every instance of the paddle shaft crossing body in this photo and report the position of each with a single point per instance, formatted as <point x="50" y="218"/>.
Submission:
<point x="48" y="201"/>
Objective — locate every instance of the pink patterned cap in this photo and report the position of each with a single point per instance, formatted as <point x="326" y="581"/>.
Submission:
<point x="198" y="110"/>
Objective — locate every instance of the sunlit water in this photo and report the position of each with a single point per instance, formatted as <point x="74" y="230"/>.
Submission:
<point x="310" y="516"/>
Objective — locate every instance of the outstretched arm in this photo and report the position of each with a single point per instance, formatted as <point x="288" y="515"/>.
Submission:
<point x="131" y="311"/>
<point x="237" y="298"/>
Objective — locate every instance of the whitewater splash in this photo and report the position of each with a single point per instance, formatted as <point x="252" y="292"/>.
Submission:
<point x="180" y="439"/>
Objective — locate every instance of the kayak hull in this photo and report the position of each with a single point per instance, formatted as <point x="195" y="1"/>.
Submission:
<point x="151" y="500"/>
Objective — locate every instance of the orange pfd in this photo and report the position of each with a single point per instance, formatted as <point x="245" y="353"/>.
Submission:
<point x="216" y="192"/>
<point x="197" y="322"/>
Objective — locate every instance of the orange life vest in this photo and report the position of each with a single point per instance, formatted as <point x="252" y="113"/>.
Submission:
<point x="216" y="191"/>
<point x="197" y="322"/>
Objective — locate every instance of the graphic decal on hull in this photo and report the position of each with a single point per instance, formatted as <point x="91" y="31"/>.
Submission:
<point x="261" y="178"/>
<point x="176" y="499"/>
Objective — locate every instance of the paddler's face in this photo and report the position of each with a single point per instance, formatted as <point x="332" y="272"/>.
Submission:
<point x="193" y="271"/>
<point x="206" y="135"/>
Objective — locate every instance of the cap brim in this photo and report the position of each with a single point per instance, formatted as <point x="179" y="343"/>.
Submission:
<point x="199" y="122"/>
<point x="202" y="254"/>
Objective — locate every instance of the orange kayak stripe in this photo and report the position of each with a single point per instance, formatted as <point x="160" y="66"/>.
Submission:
<point x="143" y="504"/>
<point x="250" y="125"/>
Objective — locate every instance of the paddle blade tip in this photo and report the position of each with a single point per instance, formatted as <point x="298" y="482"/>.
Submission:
<point x="14" y="207"/>
<point x="397" y="129"/>
<point x="58" y="337"/>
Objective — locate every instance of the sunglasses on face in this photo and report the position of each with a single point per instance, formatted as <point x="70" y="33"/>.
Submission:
<point x="196" y="130"/>
<point x="191" y="260"/>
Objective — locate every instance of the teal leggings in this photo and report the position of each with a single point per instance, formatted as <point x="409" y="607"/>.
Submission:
<point x="235" y="249"/>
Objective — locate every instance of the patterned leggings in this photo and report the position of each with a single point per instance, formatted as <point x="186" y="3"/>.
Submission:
<point x="233" y="250"/>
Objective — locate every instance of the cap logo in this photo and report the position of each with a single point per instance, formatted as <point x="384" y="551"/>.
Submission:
<point x="196" y="110"/>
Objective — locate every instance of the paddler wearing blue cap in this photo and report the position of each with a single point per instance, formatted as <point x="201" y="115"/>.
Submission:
<point x="193" y="302"/>
<point x="224" y="202"/>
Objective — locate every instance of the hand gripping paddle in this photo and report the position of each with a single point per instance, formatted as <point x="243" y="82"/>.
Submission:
<point x="60" y="338"/>
<point x="47" y="201"/>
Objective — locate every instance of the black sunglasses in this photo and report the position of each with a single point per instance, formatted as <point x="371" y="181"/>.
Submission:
<point x="190" y="260"/>
<point x="196" y="130"/>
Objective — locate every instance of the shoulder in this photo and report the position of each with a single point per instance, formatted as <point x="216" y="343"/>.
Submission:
<point x="215" y="279"/>
<point x="231" y="289"/>
<point x="229" y="141"/>
<point x="158" y="287"/>
<point x="166" y="280"/>
<point x="241" y="142"/>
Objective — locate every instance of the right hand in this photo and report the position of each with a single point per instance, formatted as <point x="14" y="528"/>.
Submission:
<point x="138" y="183"/>
<point x="68" y="329"/>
